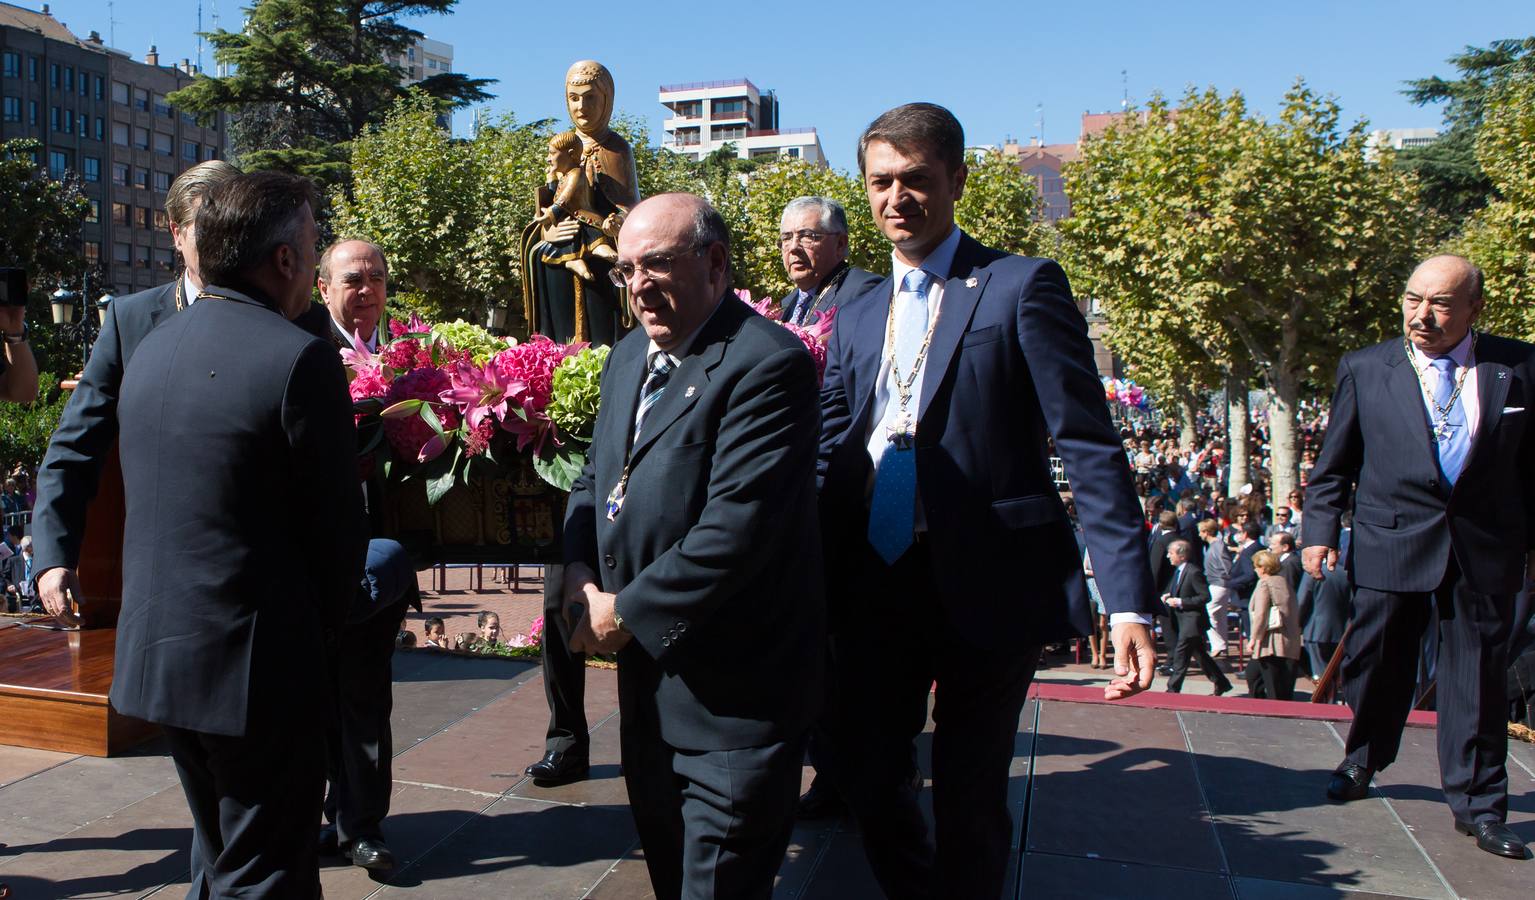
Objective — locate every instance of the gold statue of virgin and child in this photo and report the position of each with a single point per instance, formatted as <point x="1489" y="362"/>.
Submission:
<point x="569" y="247"/>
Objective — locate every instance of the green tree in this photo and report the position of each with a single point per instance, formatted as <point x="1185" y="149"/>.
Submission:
<point x="1501" y="237"/>
<point x="1454" y="183"/>
<point x="40" y="229"/>
<point x="1270" y="248"/>
<point x="999" y="205"/>
<point x="770" y="189"/>
<point x="309" y="75"/>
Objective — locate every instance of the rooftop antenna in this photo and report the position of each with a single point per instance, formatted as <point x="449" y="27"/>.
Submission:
<point x="111" y="24"/>
<point x="199" y="35"/>
<point x="1124" y="87"/>
<point x="1039" y="112"/>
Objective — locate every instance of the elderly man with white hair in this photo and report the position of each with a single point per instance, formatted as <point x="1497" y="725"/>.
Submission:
<point x="812" y="236"/>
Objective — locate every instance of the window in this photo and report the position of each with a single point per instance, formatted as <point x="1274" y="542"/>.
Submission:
<point x="164" y="143"/>
<point x="93" y="215"/>
<point x="162" y="220"/>
<point x="140" y="257"/>
<point x="120" y="214"/>
<point x="92" y="169"/>
<point x="141" y="137"/>
<point x="54" y="114"/>
<point x="120" y="174"/>
<point x="122" y="254"/>
<point x="53" y="74"/>
<point x="141" y="99"/>
<point x="85" y="125"/>
<point x="725" y="109"/>
<point x="162" y="181"/>
<point x="58" y="163"/>
<point x="31" y="112"/>
<point x="69" y="78"/>
<point x="69" y="122"/>
<point x="162" y="108"/>
<point x="101" y="126"/>
<point x="85" y="85"/>
<point x="189" y="151"/>
<point x="93" y="252"/>
<point x="13" y="109"/>
<point x="99" y="85"/>
<point x="728" y="133"/>
<point x="119" y="93"/>
<point x="163" y="259"/>
<point x="120" y="133"/>
<point x="141" y="179"/>
<point x="32" y="65"/>
<point x="210" y="152"/>
<point x="141" y="217"/>
<point x="12" y="64"/>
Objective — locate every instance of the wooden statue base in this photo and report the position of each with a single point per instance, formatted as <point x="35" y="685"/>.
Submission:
<point x="53" y="692"/>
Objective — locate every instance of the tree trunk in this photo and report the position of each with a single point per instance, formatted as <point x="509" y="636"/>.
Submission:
<point x="1284" y="444"/>
<point x="1236" y="432"/>
<point x="1187" y="408"/>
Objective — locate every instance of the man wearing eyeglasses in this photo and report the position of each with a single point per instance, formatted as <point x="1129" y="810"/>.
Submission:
<point x="700" y="486"/>
<point x="812" y="236"/>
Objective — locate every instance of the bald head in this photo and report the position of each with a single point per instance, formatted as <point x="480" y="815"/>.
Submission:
<point x="1441" y="302"/>
<point x="683" y="235"/>
<point x="354" y="283"/>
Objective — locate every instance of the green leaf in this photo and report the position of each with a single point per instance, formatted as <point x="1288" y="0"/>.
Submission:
<point x="429" y="416"/>
<point x="560" y="468"/>
<point x="437" y="488"/>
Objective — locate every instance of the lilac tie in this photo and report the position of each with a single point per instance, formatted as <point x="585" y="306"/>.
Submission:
<point x="1451" y="436"/>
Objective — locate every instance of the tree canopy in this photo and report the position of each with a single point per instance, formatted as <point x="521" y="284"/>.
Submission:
<point x="1501" y="237"/>
<point x="309" y="75"/>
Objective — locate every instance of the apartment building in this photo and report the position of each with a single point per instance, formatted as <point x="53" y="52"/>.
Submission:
<point x="707" y="115"/>
<point x="421" y="61"/>
<point x="103" y="116"/>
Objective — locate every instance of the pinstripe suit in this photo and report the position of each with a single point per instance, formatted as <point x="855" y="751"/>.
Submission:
<point x="1415" y="536"/>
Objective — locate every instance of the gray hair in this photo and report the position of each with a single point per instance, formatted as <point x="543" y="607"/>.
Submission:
<point x="709" y="226"/>
<point x="1184" y="548"/>
<point x="833" y="216"/>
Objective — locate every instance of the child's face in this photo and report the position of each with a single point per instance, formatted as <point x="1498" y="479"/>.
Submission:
<point x="561" y="160"/>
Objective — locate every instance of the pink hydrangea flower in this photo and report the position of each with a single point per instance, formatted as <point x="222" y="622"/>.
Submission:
<point x="410" y="436"/>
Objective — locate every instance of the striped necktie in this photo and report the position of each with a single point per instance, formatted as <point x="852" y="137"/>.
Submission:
<point x="660" y="367"/>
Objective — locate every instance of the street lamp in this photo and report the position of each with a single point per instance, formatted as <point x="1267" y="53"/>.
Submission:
<point x="65" y="303"/>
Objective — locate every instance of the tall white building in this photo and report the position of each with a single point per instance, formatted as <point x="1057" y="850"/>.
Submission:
<point x="707" y="115"/>
<point x="421" y="61"/>
<point x="1402" y="138"/>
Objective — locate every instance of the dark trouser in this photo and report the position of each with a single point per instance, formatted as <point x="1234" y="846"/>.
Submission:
<point x="254" y="802"/>
<point x="1278" y="677"/>
<point x="1380" y="664"/>
<point x="1320" y="655"/>
<point x="564" y="674"/>
<point x="713" y="823"/>
<point x="1191" y="648"/>
<point x="883" y="667"/>
<point x="359" y="741"/>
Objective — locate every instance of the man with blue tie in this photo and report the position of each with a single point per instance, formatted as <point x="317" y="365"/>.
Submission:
<point x="950" y="558"/>
<point x="812" y="239"/>
<point x="1430" y="443"/>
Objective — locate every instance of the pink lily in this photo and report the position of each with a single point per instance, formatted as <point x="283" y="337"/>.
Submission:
<point x="479" y="392"/>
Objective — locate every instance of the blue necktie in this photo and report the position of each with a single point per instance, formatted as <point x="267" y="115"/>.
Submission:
<point x="1453" y="446"/>
<point x="655" y="385"/>
<point x="892" y="511"/>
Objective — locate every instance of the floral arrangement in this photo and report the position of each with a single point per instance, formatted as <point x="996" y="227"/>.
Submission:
<point x="814" y="335"/>
<point x="447" y="395"/>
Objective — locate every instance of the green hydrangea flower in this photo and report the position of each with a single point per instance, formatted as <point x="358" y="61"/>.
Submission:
<point x="461" y="335"/>
<point x="577" y="392"/>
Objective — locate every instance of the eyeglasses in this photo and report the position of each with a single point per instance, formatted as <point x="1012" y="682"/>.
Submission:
<point x="657" y="265"/>
<point x="804" y="238"/>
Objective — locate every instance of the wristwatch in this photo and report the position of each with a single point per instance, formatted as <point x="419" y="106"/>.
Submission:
<point x="618" y="619"/>
<point x="17" y="338"/>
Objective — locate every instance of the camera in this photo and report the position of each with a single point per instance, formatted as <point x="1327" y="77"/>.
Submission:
<point x="13" y="286"/>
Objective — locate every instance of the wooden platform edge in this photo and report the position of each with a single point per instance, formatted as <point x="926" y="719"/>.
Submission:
<point x="1244" y="706"/>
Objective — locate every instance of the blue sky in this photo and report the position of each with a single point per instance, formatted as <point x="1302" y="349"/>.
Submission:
<point x="993" y="62"/>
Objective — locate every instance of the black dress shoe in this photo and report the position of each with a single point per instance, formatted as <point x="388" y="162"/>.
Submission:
<point x="558" y="768"/>
<point x="1350" y="782"/>
<point x="370" y="853"/>
<point x="329" y="841"/>
<point x="820" y="802"/>
<point x="1494" y="837"/>
<point x="1223" y="689"/>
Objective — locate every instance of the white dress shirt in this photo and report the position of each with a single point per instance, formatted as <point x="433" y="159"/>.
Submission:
<point x="1428" y="376"/>
<point x="370" y="343"/>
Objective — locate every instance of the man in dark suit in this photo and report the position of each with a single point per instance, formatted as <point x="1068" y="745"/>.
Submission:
<point x="354" y="285"/>
<point x="1162" y="536"/>
<point x="80" y="445"/>
<point x="1322" y="605"/>
<point x="1430" y="443"/>
<point x="218" y="645"/>
<point x="1282" y="545"/>
<point x="691" y="542"/>
<point x="953" y="560"/>
<point x="1188" y="596"/>
<point x="1244" y="578"/>
<point x="16" y="584"/>
<point x="812" y="236"/>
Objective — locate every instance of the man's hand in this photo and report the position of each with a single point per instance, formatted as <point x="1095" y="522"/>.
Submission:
<point x="51" y="587"/>
<point x="598" y="632"/>
<point x="1311" y="560"/>
<point x="578" y="577"/>
<point x="1135" y="661"/>
<point x="1175" y="602"/>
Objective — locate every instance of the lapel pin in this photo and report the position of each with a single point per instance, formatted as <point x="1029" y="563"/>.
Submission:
<point x="690" y="391"/>
<point x="970" y="282"/>
<point x="1502" y="375"/>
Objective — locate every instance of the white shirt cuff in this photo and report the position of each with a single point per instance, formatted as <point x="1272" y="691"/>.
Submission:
<point x="1128" y="618"/>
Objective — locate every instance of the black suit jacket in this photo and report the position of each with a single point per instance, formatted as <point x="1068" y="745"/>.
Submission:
<point x="1324" y="606"/>
<point x="1161" y="569"/>
<point x="244" y="537"/>
<point x="1194" y="591"/>
<point x="67" y="479"/>
<point x="715" y="556"/>
<point x="1244" y="578"/>
<point x="12" y="571"/>
<point x="1009" y="364"/>
<point x="1407" y="518"/>
<point x="844" y="284"/>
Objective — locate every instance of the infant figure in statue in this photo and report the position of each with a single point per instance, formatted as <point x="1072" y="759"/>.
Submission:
<point x="573" y="199"/>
